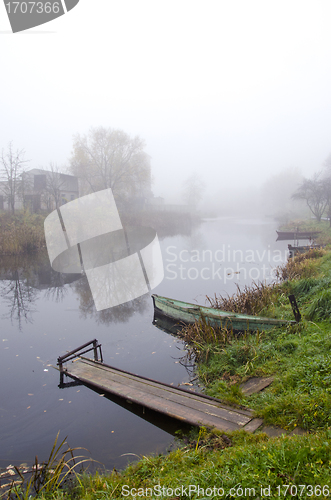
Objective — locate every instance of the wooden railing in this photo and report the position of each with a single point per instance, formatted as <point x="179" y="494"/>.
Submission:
<point x="78" y="352"/>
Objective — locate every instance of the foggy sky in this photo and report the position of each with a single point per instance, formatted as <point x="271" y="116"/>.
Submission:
<point x="235" y="90"/>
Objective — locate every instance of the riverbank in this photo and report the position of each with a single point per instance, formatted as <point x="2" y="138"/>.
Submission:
<point x="324" y="226"/>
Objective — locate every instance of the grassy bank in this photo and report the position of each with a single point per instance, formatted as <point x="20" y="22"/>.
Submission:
<point x="246" y="466"/>
<point x="22" y="233"/>
<point x="238" y="465"/>
<point x="299" y="357"/>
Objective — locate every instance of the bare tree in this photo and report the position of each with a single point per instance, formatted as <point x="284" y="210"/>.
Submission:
<point x="316" y="193"/>
<point x="110" y="158"/>
<point x="11" y="168"/>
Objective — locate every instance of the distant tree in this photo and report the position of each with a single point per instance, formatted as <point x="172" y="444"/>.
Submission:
<point x="110" y="158"/>
<point x="51" y="192"/>
<point x="192" y="190"/>
<point x="316" y="192"/>
<point x="11" y="167"/>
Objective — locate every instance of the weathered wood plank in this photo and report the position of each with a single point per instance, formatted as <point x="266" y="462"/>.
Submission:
<point x="253" y="425"/>
<point x="130" y="385"/>
<point x="255" y="384"/>
<point x="195" y="409"/>
<point x="197" y="396"/>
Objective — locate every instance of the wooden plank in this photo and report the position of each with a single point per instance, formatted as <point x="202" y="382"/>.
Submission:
<point x="255" y="384"/>
<point x="253" y="425"/>
<point x="172" y="393"/>
<point x="159" y="401"/>
<point x="195" y="409"/>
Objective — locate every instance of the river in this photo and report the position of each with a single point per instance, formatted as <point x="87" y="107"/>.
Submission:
<point x="44" y="314"/>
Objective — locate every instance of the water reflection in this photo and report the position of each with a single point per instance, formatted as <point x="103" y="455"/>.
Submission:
<point x="166" y="324"/>
<point x="22" y="278"/>
<point x="19" y="297"/>
<point x="118" y="314"/>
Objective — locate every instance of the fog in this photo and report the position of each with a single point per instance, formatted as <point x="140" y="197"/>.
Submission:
<point x="237" y="92"/>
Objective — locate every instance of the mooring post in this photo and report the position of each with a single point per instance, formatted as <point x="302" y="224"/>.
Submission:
<point x="100" y="352"/>
<point x="60" y="363"/>
<point x="295" y="308"/>
<point x="95" y="349"/>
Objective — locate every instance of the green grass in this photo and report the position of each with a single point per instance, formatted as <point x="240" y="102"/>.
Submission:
<point x="298" y="357"/>
<point x="251" y="461"/>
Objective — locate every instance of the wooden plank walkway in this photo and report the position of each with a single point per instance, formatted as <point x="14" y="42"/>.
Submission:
<point x="181" y="404"/>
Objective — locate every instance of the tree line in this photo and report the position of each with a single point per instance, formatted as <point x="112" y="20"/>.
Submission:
<point x="103" y="158"/>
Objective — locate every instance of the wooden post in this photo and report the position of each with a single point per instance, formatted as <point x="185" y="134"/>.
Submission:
<point x="95" y="349"/>
<point x="59" y="362"/>
<point x="295" y="308"/>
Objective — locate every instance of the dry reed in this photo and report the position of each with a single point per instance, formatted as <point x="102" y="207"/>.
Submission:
<point x="249" y="300"/>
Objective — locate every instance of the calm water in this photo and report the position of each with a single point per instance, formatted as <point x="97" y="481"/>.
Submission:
<point x="44" y="314"/>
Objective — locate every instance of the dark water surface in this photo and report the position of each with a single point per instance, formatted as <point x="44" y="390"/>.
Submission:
<point x="44" y="314"/>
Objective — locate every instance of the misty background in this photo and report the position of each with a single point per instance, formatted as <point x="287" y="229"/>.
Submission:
<point x="236" y="93"/>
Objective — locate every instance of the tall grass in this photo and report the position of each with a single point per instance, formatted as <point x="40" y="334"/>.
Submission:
<point x="320" y="306"/>
<point x="247" y="464"/>
<point x="301" y="266"/>
<point x="22" y="233"/>
<point x="47" y="477"/>
<point x="249" y="300"/>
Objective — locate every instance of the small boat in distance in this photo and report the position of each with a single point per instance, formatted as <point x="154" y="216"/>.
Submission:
<point x="296" y="235"/>
<point x="186" y="313"/>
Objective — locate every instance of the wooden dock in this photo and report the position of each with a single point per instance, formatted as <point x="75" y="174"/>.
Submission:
<point x="181" y="404"/>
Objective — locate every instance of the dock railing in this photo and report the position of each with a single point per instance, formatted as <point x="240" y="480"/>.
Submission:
<point x="76" y="352"/>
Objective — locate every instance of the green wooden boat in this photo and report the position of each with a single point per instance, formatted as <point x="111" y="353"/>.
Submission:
<point x="184" y="312"/>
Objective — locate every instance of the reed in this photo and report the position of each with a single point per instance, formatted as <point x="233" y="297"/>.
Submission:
<point x="21" y="234"/>
<point x="301" y="266"/>
<point x="249" y="300"/>
<point x="47" y="477"/>
<point x="200" y="336"/>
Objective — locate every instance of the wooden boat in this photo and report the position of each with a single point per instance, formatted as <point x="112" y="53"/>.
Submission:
<point x="186" y="313"/>
<point x="297" y="235"/>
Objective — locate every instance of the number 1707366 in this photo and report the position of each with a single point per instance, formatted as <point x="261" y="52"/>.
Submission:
<point x="33" y="7"/>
